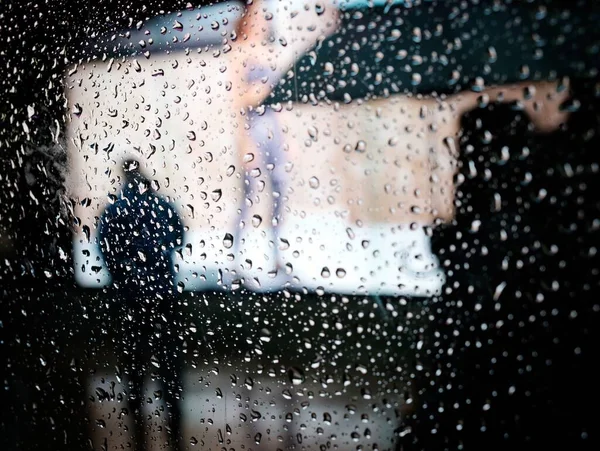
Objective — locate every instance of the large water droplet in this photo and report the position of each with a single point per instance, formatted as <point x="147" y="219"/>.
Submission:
<point x="296" y="375"/>
<point x="256" y="220"/>
<point x="265" y="335"/>
<point x="228" y="241"/>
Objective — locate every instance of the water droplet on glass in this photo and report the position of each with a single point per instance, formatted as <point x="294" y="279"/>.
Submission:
<point x="313" y="182"/>
<point x="256" y="220"/>
<point x="265" y="335"/>
<point x="228" y="241"/>
<point x="296" y="376"/>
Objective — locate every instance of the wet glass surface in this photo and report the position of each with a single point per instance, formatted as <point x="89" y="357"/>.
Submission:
<point x="299" y="225"/>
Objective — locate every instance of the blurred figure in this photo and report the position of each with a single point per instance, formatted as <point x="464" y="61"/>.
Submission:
<point x="271" y="35"/>
<point x="138" y="235"/>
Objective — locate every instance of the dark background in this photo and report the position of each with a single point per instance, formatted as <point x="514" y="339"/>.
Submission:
<point x="536" y="336"/>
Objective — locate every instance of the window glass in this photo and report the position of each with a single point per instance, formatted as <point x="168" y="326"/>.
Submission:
<point x="293" y="224"/>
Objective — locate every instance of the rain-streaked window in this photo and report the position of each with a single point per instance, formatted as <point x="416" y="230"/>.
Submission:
<point x="299" y="224"/>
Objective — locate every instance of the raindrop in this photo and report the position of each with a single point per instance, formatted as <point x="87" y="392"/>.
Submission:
<point x="216" y="195"/>
<point x="265" y="335"/>
<point x="228" y="241"/>
<point x="361" y="369"/>
<point x="313" y="182"/>
<point x="366" y="393"/>
<point x="284" y="244"/>
<point x="256" y="220"/>
<point x="296" y="376"/>
<point x="154" y="361"/>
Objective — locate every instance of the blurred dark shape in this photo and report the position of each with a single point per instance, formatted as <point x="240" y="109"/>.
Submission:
<point x="139" y="233"/>
<point x="442" y="46"/>
<point x="522" y="289"/>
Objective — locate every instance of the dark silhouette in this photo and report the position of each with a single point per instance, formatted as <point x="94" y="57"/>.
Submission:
<point x="516" y="373"/>
<point x="139" y="233"/>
